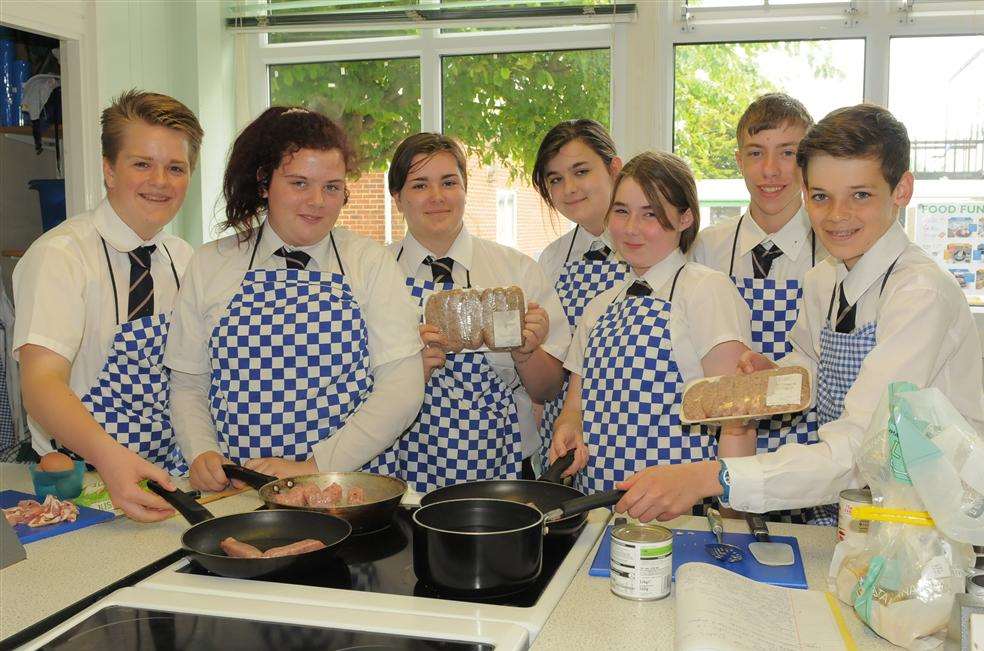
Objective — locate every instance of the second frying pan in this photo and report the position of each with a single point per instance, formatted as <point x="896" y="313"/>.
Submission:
<point x="262" y="529"/>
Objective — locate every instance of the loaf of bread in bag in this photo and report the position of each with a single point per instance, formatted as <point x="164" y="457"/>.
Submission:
<point x="501" y="299"/>
<point x="742" y="396"/>
<point x="466" y="316"/>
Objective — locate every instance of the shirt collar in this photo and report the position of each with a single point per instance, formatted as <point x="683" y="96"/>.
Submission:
<point x="659" y="274"/>
<point x="271" y="242"/>
<point x="116" y="232"/>
<point x="873" y="264"/>
<point x="791" y="238"/>
<point x="462" y="250"/>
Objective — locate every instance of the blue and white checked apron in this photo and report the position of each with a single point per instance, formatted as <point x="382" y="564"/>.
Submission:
<point x="290" y="362"/>
<point x="841" y="356"/>
<point x="579" y="282"/>
<point x="775" y="306"/>
<point x="631" y="395"/>
<point x="467" y="428"/>
<point x="130" y="397"/>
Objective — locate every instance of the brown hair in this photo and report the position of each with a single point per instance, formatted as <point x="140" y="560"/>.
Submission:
<point x="261" y="147"/>
<point x="427" y="143"/>
<point x="154" y="109"/>
<point x="862" y="131"/>
<point x="771" y="111"/>
<point x="660" y="173"/>
<point x="591" y="133"/>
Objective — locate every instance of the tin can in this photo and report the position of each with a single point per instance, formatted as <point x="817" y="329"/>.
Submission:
<point x="847" y="525"/>
<point x="975" y="585"/>
<point x="641" y="561"/>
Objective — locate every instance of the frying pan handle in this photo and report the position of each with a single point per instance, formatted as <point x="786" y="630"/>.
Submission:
<point x="192" y="511"/>
<point x="584" y="504"/>
<point x="253" y="479"/>
<point x="558" y="467"/>
<point x="756" y="523"/>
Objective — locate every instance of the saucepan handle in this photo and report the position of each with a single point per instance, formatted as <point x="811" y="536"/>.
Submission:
<point x="557" y="468"/>
<point x="192" y="511"/>
<point x="251" y="478"/>
<point x="584" y="504"/>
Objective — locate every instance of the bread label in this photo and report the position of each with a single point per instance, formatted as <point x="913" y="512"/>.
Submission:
<point x="507" y="329"/>
<point x="783" y="390"/>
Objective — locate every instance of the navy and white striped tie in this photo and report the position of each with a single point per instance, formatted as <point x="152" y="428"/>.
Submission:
<point x="440" y="268"/>
<point x="295" y="259"/>
<point x="141" y="294"/>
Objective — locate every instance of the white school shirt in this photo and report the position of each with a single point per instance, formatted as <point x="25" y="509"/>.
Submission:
<point x="64" y="295"/>
<point x="925" y="335"/>
<point x="489" y="264"/>
<point x="713" y="247"/>
<point x="706" y="310"/>
<point x="215" y="275"/>
<point x="571" y="246"/>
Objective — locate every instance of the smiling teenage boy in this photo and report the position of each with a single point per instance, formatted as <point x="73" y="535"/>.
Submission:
<point x="767" y="253"/>
<point x="879" y="310"/>
<point x="94" y="298"/>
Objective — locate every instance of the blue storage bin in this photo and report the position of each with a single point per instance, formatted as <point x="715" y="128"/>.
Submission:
<point x="51" y="193"/>
<point x="6" y="83"/>
<point x="22" y="71"/>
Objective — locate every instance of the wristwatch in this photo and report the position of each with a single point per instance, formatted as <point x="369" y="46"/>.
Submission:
<point x="724" y="477"/>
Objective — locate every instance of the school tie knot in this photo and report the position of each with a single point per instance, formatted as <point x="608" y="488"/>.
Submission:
<point x="440" y="268"/>
<point x="140" y="301"/>
<point x="845" y="314"/>
<point x="295" y="259"/>
<point x="597" y="253"/>
<point x="762" y="258"/>
<point x="639" y="288"/>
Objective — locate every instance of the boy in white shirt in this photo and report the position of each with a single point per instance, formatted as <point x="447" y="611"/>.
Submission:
<point x="879" y="310"/>
<point x="94" y="298"/>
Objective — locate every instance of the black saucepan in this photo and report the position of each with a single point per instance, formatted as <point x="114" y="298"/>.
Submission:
<point x="262" y="529"/>
<point x="487" y="547"/>
<point x="545" y="493"/>
<point x="382" y="493"/>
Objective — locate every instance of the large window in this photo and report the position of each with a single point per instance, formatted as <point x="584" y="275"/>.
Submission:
<point x="941" y="101"/>
<point x="715" y="82"/>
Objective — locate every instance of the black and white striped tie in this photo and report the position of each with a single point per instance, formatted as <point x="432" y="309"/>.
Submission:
<point x="295" y="259"/>
<point x="440" y="268"/>
<point x="762" y="259"/>
<point x="141" y="299"/>
<point x="599" y="254"/>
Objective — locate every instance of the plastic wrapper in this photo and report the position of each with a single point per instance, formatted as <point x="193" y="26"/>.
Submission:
<point x="479" y="319"/>
<point x="901" y="578"/>
<point x="756" y="395"/>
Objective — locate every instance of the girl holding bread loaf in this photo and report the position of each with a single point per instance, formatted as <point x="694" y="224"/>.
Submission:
<point x="574" y="173"/>
<point x="476" y="422"/>
<point x="670" y="321"/>
<point x="293" y="338"/>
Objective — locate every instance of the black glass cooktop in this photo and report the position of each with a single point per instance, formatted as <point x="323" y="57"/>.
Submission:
<point x="122" y="628"/>
<point x="382" y="561"/>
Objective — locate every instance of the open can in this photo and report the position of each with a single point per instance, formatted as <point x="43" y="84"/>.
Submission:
<point x="641" y="561"/>
<point x="847" y="526"/>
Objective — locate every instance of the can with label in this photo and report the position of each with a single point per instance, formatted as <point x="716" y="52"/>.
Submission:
<point x="847" y="525"/>
<point x="641" y="561"/>
<point x="975" y="584"/>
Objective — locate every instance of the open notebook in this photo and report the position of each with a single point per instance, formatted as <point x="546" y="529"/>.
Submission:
<point x="718" y="610"/>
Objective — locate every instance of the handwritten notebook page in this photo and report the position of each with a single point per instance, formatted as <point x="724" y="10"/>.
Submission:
<point x="718" y="610"/>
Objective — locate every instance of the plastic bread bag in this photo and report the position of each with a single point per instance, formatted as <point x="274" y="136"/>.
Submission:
<point x="902" y="577"/>
<point x="479" y="319"/>
<point x="761" y="394"/>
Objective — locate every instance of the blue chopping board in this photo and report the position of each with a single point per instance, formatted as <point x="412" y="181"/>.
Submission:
<point x="26" y="534"/>
<point x="688" y="547"/>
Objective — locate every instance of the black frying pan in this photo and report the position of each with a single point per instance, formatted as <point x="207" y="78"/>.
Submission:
<point x="383" y="494"/>
<point x="546" y="493"/>
<point x="262" y="529"/>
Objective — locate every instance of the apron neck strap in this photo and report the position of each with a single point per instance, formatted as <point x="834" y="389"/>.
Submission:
<point x="567" y="258"/>
<point x="112" y="282"/>
<point x="256" y="244"/>
<point x="881" y="289"/>
<point x="673" y="286"/>
<point x="734" y="247"/>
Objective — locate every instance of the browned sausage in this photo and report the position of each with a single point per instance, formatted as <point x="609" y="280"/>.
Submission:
<point x="300" y="547"/>
<point x="238" y="549"/>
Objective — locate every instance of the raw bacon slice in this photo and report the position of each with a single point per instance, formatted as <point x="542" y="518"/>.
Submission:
<point x="32" y="514"/>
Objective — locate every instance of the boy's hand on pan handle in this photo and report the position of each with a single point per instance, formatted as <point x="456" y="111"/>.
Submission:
<point x="435" y="344"/>
<point x="665" y="492"/>
<point x="282" y="468"/>
<point x="569" y="435"/>
<point x="121" y="470"/>
<point x="206" y="472"/>
<point x="750" y="361"/>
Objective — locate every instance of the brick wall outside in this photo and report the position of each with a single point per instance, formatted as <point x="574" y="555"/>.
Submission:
<point x="536" y="226"/>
